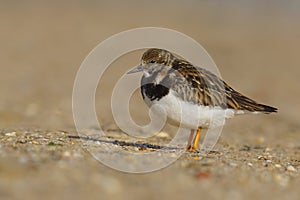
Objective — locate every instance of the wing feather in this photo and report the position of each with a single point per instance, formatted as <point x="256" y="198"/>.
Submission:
<point x="200" y="86"/>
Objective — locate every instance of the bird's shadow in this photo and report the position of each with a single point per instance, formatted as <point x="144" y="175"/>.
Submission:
<point x="124" y="144"/>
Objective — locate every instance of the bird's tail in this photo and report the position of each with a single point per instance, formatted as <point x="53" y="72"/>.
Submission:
<point x="245" y="103"/>
<point x="266" y="109"/>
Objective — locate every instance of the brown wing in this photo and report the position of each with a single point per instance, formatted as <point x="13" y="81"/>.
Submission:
<point x="200" y="86"/>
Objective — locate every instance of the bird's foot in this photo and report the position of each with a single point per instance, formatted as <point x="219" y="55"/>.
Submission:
<point x="191" y="148"/>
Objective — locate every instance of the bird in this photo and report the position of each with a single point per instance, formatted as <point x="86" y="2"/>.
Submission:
<point x="190" y="95"/>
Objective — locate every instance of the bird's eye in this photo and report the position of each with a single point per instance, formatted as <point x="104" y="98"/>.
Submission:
<point x="152" y="61"/>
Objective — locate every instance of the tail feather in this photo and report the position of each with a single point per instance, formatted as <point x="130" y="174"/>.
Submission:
<point x="267" y="109"/>
<point x="245" y="103"/>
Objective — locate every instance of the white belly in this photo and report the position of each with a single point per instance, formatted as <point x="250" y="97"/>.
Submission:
<point x="189" y="115"/>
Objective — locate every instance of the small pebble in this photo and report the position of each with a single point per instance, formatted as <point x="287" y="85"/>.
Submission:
<point x="277" y="166"/>
<point x="261" y="158"/>
<point x="11" y="134"/>
<point x="35" y="142"/>
<point x="291" y="168"/>
<point x="250" y="164"/>
<point x="135" y="149"/>
<point x="142" y="148"/>
<point x="163" y="135"/>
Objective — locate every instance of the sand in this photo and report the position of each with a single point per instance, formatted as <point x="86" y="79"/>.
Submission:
<point x="255" y="46"/>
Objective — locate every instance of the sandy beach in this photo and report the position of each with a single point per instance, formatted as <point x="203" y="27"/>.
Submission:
<point x="255" y="46"/>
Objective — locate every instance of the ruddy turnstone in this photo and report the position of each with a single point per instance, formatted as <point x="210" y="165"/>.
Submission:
<point x="190" y="95"/>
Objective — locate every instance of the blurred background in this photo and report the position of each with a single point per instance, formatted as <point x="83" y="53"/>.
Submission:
<point x="255" y="45"/>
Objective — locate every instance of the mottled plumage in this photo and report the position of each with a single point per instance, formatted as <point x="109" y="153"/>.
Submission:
<point x="194" y="84"/>
<point x="167" y="76"/>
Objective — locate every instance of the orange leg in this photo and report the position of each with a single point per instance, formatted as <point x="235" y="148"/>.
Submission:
<point x="196" y="141"/>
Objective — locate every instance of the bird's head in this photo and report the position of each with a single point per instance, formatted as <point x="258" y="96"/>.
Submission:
<point x="153" y="60"/>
